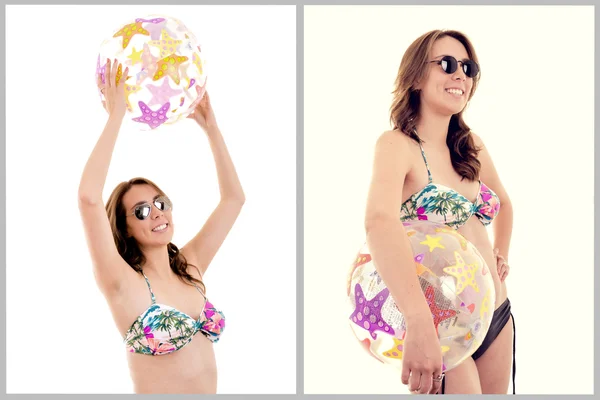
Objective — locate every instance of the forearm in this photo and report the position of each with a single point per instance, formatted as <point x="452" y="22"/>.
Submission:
<point x="393" y="260"/>
<point x="503" y="224"/>
<point x="229" y="183"/>
<point x="96" y="169"/>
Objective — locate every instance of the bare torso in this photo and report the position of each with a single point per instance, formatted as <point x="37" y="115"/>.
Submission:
<point x="191" y="369"/>
<point x="443" y="173"/>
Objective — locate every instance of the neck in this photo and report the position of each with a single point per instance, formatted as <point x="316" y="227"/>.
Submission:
<point x="157" y="263"/>
<point x="432" y="127"/>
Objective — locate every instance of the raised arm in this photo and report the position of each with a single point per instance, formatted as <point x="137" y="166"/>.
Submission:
<point x="393" y="259"/>
<point x="202" y="248"/>
<point x="109" y="267"/>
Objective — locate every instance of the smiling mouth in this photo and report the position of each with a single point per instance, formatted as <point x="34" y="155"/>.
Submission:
<point x="160" y="228"/>
<point x="456" y="92"/>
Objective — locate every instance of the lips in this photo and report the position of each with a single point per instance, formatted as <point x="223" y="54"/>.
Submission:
<point x="160" y="227"/>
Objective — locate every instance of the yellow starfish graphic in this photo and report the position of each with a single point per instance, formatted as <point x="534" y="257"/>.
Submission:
<point x="169" y="66"/>
<point x="398" y="348"/>
<point x="461" y="239"/>
<point x="135" y="56"/>
<point x="485" y="304"/>
<point x="433" y="243"/>
<point x="197" y="62"/>
<point x="167" y="45"/>
<point x="464" y="274"/>
<point x="128" y="31"/>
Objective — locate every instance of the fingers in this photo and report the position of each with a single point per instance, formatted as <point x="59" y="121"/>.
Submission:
<point x="503" y="272"/>
<point x="114" y="72"/>
<point x="107" y="73"/>
<point x="426" y="381"/>
<point x="414" y="382"/>
<point x="436" y="384"/>
<point x="126" y="76"/>
<point x="405" y="374"/>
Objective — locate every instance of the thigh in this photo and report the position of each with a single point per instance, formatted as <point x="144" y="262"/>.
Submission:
<point x="495" y="364"/>
<point x="463" y="379"/>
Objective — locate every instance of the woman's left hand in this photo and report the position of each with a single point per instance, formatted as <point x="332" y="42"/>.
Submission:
<point x="502" y="265"/>
<point x="203" y="113"/>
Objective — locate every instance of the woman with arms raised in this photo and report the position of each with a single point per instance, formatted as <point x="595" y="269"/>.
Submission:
<point x="154" y="290"/>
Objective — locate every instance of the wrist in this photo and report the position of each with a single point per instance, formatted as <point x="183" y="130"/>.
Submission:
<point x="116" y="117"/>
<point x="212" y="130"/>
<point x="418" y="317"/>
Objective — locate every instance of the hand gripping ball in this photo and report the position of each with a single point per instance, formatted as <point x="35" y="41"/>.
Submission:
<point x="165" y="64"/>
<point x="457" y="286"/>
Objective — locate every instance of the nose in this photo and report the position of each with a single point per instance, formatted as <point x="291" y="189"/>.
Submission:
<point x="459" y="75"/>
<point x="156" y="212"/>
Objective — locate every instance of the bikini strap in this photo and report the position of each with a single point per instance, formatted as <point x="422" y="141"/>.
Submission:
<point x="149" y="287"/>
<point x="201" y="292"/>
<point x="426" y="165"/>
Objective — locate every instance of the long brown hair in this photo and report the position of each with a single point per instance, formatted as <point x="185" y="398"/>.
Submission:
<point x="405" y="106"/>
<point x="128" y="247"/>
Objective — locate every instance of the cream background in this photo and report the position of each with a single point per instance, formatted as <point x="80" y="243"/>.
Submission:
<point x="533" y="109"/>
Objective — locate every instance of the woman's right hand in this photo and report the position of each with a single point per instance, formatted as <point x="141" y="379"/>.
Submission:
<point x="421" y="357"/>
<point x="113" y="89"/>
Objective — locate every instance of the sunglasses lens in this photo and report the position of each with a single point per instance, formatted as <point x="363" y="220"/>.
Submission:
<point x="142" y="212"/>
<point x="471" y="69"/>
<point x="163" y="203"/>
<point x="449" y="64"/>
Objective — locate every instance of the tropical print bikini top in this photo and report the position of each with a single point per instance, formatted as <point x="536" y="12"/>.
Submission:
<point x="162" y="329"/>
<point x="439" y="203"/>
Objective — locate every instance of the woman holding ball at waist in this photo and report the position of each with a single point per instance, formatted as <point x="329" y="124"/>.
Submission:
<point x="431" y="155"/>
<point x="154" y="289"/>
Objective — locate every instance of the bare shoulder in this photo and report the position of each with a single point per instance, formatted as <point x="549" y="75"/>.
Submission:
<point x="478" y="141"/>
<point x="396" y="139"/>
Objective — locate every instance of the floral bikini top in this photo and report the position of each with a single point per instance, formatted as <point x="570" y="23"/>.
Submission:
<point x="439" y="203"/>
<point x="162" y="329"/>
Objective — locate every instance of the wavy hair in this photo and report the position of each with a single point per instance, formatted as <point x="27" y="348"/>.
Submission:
<point x="405" y="105"/>
<point x="128" y="247"/>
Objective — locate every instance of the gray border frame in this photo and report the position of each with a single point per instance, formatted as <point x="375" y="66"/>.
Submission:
<point x="299" y="174"/>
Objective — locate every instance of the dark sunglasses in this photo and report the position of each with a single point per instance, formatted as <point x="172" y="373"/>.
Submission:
<point x="450" y="64"/>
<point x="142" y="211"/>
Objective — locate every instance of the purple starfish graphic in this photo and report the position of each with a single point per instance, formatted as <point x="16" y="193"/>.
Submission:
<point x="162" y="94"/>
<point x="100" y="70"/>
<point x="153" y="118"/>
<point x="155" y="29"/>
<point x="153" y="20"/>
<point x="367" y="313"/>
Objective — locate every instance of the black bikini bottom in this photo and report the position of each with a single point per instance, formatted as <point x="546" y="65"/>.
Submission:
<point x="499" y="320"/>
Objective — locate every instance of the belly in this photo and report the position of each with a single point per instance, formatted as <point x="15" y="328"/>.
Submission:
<point x="476" y="233"/>
<point x="192" y="369"/>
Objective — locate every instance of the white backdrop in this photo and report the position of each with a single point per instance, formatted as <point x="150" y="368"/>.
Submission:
<point x="60" y="334"/>
<point x="533" y="109"/>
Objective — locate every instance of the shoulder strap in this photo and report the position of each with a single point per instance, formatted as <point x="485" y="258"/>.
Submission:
<point x="149" y="287"/>
<point x="426" y="165"/>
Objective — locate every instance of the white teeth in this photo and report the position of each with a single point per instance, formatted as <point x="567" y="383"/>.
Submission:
<point x="455" y="91"/>
<point x="160" y="227"/>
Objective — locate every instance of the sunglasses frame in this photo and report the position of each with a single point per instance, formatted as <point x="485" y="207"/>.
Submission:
<point x="462" y="62"/>
<point x="161" y="198"/>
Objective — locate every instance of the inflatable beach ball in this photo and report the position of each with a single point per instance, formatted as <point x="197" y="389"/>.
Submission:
<point x="165" y="64"/>
<point x="457" y="286"/>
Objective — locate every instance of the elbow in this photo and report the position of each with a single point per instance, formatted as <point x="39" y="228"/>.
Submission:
<point x="377" y="221"/>
<point x="236" y="200"/>
<point x="85" y="198"/>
